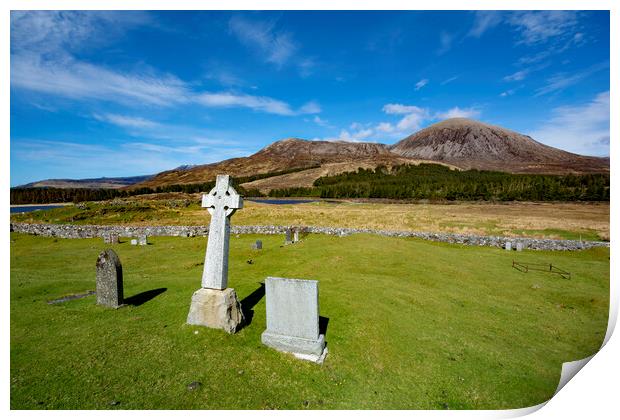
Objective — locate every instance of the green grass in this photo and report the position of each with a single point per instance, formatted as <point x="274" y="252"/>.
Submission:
<point x="412" y="325"/>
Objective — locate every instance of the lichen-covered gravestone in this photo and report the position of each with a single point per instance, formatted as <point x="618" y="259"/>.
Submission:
<point x="109" y="279"/>
<point x="215" y="305"/>
<point x="110" y="238"/>
<point x="287" y="237"/>
<point x="293" y="318"/>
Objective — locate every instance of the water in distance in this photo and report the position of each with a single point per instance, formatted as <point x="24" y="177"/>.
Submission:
<point x="26" y="209"/>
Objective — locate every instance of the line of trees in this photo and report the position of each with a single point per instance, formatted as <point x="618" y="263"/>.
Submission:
<point x="438" y="182"/>
<point x="64" y="195"/>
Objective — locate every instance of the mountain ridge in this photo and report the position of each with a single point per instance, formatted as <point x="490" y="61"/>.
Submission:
<point x="458" y="143"/>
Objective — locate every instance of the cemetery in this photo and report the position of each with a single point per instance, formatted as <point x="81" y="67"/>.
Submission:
<point x="327" y="322"/>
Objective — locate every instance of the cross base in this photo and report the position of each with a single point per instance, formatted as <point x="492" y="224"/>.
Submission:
<point x="218" y="309"/>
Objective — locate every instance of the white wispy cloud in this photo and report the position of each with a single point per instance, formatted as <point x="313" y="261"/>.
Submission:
<point x="582" y="129"/>
<point x="516" y="76"/>
<point x="42" y="61"/>
<point x="449" y="80"/>
<point x="421" y="84"/>
<point x="69" y="159"/>
<point x="483" y="21"/>
<point x="539" y="26"/>
<point x="320" y="121"/>
<point x="276" y="47"/>
<point x="532" y="27"/>
<point x="126" y="121"/>
<point x="411" y="119"/>
<point x="457" y="112"/>
<point x="561" y="81"/>
<point x="445" y="42"/>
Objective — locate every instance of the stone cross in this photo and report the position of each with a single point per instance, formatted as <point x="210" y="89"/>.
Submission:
<point x="109" y="279"/>
<point x="221" y="203"/>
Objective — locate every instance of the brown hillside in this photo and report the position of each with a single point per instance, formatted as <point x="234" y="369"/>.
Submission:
<point x="281" y="155"/>
<point x="457" y="142"/>
<point x="474" y="145"/>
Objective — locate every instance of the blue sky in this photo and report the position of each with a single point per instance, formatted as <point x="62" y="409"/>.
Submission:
<point x="130" y="93"/>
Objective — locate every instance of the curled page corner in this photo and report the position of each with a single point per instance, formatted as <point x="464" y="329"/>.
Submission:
<point x="569" y="370"/>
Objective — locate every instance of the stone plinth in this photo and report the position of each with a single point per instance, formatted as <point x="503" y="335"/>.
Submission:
<point x="216" y="309"/>
<point x="293" y="318"/>
<point x="109" y="280"/>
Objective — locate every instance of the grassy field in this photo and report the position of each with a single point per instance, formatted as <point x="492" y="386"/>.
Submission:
<point x="412" y="324"/>
<point x="539" y="220"/>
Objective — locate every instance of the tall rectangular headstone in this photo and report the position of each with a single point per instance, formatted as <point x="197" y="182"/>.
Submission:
<point x="143" y="240"/>
<point x="287" y="238"/>
<point x="293" y="318"/>
<point x="519" y="246"/>
<point x="258" y="244"/>
<point x="508" y="246"/>
<point x="109" y="279"/>
<point x="296" y="236"/>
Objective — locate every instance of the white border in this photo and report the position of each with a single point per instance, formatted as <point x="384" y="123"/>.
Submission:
<point x="592" y="393"/>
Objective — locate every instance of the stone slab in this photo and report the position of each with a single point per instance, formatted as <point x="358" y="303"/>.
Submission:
<point x="293" y="318"/>
<point x="508" y="246"/>
<point x="519" y="246"/>
<point x="218" y="309"/>
<point x="109" y="279"/>
<point x="292" y="307"/>
<point x="294" y="344"/>
<point x="134" y="242"/>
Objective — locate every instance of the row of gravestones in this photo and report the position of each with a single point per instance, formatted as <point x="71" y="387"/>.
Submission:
<point x="113" y="238"/>
<point x="518" y="246"/>
<point x="292" y="305"/>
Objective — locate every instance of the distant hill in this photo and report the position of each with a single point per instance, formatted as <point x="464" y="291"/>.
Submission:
<point x="471" y="144"/>
<point x="457" y="143"/>
<point x="88" y="183"/>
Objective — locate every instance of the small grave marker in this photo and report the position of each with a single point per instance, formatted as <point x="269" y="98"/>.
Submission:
<point x="143" y="240"/>
<point x="109" y="279"/>
<point x="508" y="246"/>
<point x="258" y="244"/>
<point x="134" y="242"/>
<point x="287" y="237"/>
<point x="519" y="246"/>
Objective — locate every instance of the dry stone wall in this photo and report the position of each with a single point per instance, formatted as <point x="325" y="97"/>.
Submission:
<point x="96" y="231"/>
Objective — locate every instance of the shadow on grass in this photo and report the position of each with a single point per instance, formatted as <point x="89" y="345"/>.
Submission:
<point x="250" y="301"/>
<point x="143" y="297"/>
<point x="323" y="321"/>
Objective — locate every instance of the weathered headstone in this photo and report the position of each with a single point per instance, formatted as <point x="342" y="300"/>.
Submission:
<point x="258" y="244"/>
<point x="110" y="238"/>
<point x="296" y="236"/>
<point x="293" y="318"/>
<point x="519" y="246"/>
<point x="215" y="305"/>
<point x="134" y="242"/>
<point x="508" y="246"/>
<point x="109" y="279"/>
<point x="287" y="237"/>
<point x="143" y="240"/>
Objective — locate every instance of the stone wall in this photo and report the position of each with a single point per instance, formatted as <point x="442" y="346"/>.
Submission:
<point x="95" y="231"/>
